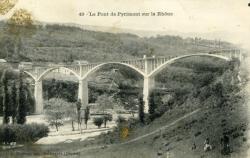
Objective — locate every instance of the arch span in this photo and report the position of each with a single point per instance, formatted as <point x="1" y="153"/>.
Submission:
<point x="32" y="76"/>
<point x="54" y="68"/>
<point x="119" y="63"/>
<point x="164" y="65"/>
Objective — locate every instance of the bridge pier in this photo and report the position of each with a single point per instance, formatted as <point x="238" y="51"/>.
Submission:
<point x="83" y="92"/>
<point x="38" y="94"/>
<point x="147" y="87"/>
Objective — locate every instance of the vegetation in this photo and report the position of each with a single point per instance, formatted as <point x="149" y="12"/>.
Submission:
<point x="106" y="118"/>
<point x="15" y="103"/>
<point x="58" y="43"/>
<point x="152" y="106"/>
<point x="214" y="91"/>
<point x="78" y="110"/>
<point x="6" y="107"/>
<point x="22" y="133"/>
<point x="19" y="26"/>
<point x="141" y="110"/>
<point x="209" y="85"/>
<point x="197" y="83"/>
<point x="120" y="121"/>
<point x="60" y="89"/>
<point x="54" y="112"/>
<point x="86" y="116"/>
<point x="105" y="102"/>
<point x="22" y="108"/>
<point x="98" y="121"/>
<point x="70" y="112"/>
<point x="58" y="111"/>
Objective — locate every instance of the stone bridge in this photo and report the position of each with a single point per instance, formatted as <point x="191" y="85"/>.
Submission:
<point x="147" y="67"/>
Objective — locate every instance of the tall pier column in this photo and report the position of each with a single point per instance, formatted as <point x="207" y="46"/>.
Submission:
<point x="83" y="92"/>
<point x="147" y="87"/>
<point x="38" y="94"/>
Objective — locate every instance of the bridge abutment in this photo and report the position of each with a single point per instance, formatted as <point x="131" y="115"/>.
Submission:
<point x="83" y="94"/>
<point x="38" y="94"/>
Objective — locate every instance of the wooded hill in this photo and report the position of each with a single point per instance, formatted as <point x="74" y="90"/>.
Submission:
<point x="61" y="43"/>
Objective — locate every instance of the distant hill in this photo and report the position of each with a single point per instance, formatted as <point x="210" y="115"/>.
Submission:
<point x="61" y="43"/>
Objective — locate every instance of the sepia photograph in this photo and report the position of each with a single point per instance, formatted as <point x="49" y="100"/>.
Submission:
<point x="124" y="79"/>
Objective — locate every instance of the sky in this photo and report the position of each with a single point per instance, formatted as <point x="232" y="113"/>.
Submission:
<point x="223" y="19"/>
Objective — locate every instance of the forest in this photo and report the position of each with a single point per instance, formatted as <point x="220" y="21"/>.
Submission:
<point x="62" y="43"/>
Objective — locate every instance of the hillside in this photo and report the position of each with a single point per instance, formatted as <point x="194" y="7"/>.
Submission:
<point x="208" y="86"/>
<point x="177" y="140"/>
<point x="205" y="101"/>
<point x="58" y="43"/>
<point x="219" y="111"/>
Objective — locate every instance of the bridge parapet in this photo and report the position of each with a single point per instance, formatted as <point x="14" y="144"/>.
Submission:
<point x="230" y="53"/>
<point x="85" y="68"/>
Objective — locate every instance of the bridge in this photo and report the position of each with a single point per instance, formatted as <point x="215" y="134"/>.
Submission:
<point x="147" y="67"/>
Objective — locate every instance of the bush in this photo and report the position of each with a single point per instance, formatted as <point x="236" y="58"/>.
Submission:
<point x="22" y="133"/>
<point x="98" y="121"/>
<point x="120" y="120"/>
<point x="133" y="122"/>
<point x="106" y="118"/>
<point x="147" y="119"/>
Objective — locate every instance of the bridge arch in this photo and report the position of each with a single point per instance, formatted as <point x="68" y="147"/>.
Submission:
<point x="54" y="68"/>
<point x="31" y="75"/>
<point x="109" y="63"/>
<point x="164" y="65"/>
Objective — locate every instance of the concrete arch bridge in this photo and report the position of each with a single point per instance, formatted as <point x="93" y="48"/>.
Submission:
<point x="147" y="67"/>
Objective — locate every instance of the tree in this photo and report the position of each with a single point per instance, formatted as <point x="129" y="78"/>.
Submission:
<point x="3" y="71"/>
<point x="71" y="113"/>
<point x="20" y="25"/>
<point x="106" y="118"/>
<point x="86" y="116"/>
<point x="71" y="58"/>
<point x="55" y="112"/>
<point x="22" y="109"/>
<point x="152" y="106"/>
<point x="131" y="104"/>
<point x="105" y="102"/>
<point x="30" y="100"/>
<point x="13" y="103"/>
<point x="98" y="121"/>
<point x="120" y="120"/>
<point x="6" y="102"/>
<point x="78" y="109"/>
<point x="141" y="109"/>
<point x="6" y="6"/>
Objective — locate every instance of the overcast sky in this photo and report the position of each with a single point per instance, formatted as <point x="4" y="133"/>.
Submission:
<point x="232" y="17"/>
